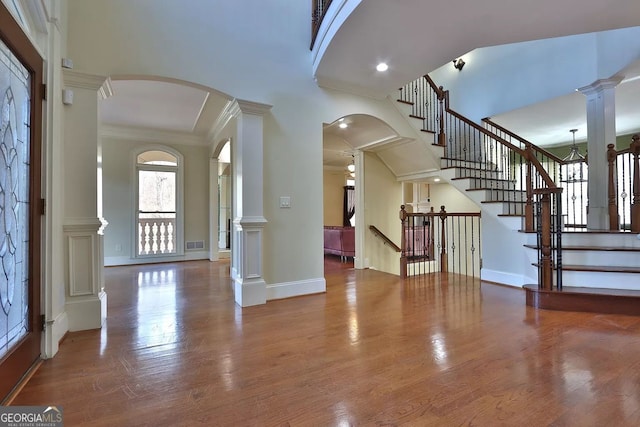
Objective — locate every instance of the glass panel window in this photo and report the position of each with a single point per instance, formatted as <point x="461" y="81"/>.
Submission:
<point x="157" y="212"/>
<point x="15" y="101"/>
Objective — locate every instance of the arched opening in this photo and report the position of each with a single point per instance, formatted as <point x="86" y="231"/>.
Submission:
<point x="159" y="203"/>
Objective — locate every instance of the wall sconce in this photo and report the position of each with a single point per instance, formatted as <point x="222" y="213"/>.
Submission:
<point x="458" y="64"/>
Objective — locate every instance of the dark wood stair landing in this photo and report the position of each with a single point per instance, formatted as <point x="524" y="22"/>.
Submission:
<point x="592" y="300"/>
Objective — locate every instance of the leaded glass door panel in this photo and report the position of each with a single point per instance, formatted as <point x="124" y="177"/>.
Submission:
<point x="20" y="119"/>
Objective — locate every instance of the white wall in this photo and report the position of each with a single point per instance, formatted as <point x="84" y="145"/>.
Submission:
<point x="119" y="198"/>
<point x="250" y="50"/>
<point x="383" y="197"/>
<point x="498" y="79"/>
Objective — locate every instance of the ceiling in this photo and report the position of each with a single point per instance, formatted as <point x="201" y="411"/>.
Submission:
<point x="437" y="32"/>
<point x="162" y="105"/>
<point x="370" y="35"/>
<point x="548" y="123"/>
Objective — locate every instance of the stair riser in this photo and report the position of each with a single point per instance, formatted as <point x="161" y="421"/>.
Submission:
<point x="609" y="258"/>
<point x="596" y="279"/>
<point x="499" y="195"/>
<point x="625" y="240"/>
<point x="487" y="183"/>
<point x="476" y="173"/>
<point x="451" y="163"/>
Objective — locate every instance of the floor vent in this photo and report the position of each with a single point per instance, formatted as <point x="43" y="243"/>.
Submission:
<point x="199" y="244"/>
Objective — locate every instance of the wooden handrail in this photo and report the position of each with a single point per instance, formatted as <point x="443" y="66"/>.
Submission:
<point x="486" y="132"/>
<point x="524" y="141"/>
<point x="386" y="240"/>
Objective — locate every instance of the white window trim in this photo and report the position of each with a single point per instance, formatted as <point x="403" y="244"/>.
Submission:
<point x="179" y="169"/>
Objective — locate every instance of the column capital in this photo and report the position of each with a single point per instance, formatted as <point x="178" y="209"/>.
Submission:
<point x="249" y="107"/>
<point x="601" y="85"/>
<point x="80" y="80"/>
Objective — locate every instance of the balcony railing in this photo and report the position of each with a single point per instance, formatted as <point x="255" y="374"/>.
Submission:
<point x="318" y="10"/>
<point x="156" y="235"/>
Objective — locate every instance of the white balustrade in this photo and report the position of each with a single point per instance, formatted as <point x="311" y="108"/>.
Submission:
<point x="156" y="236"/>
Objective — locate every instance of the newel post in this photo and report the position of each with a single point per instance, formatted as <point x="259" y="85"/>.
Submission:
<point x="442" y="139"/>
<point x="528" y="207"/>
<point x="612" y="193"/>
<point x="545" y="280"/>
<point x="444" y="264"/>
<point x="635" y="206"/>
<point x="403" y="243"/>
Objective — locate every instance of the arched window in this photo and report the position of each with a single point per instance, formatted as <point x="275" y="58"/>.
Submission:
<point x="158" y="203"/>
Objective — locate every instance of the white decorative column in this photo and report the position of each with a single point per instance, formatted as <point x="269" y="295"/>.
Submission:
<point x="601" y="130"/>
<point x="249" y="222"/>
<point x="86" y="299"/>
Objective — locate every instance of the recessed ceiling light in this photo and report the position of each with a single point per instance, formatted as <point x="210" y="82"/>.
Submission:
<point x="382" y="67"/>
<point x="343" y="125"/>
<point x="436" y="179"/>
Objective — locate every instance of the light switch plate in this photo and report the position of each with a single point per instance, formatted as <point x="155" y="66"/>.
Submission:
<point x="285" y="202"/>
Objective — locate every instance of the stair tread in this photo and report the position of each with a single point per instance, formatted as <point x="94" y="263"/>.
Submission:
<point x="595" y="291"/>
<point x="496" y="189"/>
<point x="512" y="215"/>
<point x="461" y="160"/>
<point x="594" y="300"/>
<point x="592" y="248"/>
<point x="413" y="116"/>
<point x="485" y="179"/>
<point x="429" y="131"/>
<point x="404" y="102"/>
<point x="597" y="268"/>
<point x="504" y="201"/>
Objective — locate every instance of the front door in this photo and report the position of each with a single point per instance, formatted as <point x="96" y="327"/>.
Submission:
<point x="20" y="206"/>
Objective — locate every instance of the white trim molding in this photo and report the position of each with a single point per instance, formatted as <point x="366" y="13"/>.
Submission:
<point x="504" y="278"/>
<point x="86" y="300"/>
<point x="125" y="260"/>
<point x="150" y="136"/>
<point x="296" y="288"/>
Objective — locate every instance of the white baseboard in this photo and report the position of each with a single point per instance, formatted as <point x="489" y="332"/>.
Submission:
<point x="125" y="260"/>
<point x="54" y="331"/>
<point x="87" y="313"/>
<point x="297" y="288"/>
<point x="504" y="278"/>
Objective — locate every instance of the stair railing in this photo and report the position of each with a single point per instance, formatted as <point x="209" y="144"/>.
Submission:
<point x="624" y="186"/>
<point x="387" y="241"/>
<point x="318" y="10"/>
<point x="442" y="242"/>
<point x="572" y="176"/>
<point x="516" y="172"/>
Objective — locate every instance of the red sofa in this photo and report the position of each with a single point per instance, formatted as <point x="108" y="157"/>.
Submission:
<point x="340" y="241"/>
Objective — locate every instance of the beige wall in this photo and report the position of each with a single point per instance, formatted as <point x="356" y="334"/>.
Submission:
<point x="383" y="196"/>
<point x="119" y="196"/>
<point x="453" y="200"/>
<point x="333" y="196"/>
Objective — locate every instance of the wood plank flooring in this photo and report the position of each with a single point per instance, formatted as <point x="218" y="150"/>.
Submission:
<point x="373" y="350"/>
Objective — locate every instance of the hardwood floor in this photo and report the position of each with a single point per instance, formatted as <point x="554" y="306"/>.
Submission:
<point x="373" y="350"/>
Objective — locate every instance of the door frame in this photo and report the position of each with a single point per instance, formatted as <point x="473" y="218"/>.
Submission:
<point x="25" y="354"/>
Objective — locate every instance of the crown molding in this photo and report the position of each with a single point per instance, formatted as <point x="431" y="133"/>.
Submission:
<point x="232" y="110"/>
<point x="223" y="119"/>
<point x="80" y="80"/>
<point x="147" y="135"/>
<point x="250" y="107"/>
<point x="106" y="90"/>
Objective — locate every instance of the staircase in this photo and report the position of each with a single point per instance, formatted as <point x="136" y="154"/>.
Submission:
<point x="508" y="177"/>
